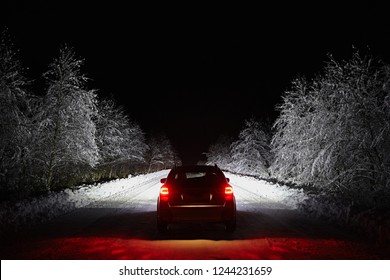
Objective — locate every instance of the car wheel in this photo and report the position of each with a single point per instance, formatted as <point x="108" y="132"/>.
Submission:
<point x="231" y="226"/>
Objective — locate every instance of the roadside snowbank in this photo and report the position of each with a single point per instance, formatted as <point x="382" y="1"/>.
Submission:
<point x="29" y="212"/>
<point x="372" y="223"/>
<point x="277" y="193"/>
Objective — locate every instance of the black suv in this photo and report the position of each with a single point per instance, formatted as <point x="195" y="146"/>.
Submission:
<point x="196" y="193"/>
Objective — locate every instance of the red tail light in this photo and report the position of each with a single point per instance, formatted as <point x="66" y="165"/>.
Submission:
<point x="164" y="193"/>
<point x="228" y="192"/>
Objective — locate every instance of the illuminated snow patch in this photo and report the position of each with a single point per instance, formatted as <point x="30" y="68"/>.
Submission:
<point x="31" y="211"/>
<point x="265" y="191"/>
<point x="115" y="187"/>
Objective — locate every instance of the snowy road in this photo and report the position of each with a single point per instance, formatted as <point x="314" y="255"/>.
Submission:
<point x="119" y="223"/>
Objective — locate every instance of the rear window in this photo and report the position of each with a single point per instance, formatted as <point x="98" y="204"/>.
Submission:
<point x="191" y="178"/>
<point x="190" y="175"/>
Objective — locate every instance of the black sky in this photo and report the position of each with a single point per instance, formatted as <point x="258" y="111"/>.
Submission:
<point x="196" y="72"/>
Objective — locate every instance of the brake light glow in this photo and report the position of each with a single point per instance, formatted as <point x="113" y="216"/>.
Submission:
<point x="228" y="192"/>
<point x="164" y="192"/>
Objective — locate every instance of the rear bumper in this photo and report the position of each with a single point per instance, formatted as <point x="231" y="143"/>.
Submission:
<point x="167" y="213"/>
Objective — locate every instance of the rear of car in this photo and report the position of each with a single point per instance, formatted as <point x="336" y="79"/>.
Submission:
<point x="198" y="193"/>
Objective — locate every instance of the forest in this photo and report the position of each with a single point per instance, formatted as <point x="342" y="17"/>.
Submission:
<point x="66" y="134"/>
<point x="332" y="133"/>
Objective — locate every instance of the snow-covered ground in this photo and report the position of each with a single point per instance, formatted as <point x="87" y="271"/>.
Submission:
<point x="269" y="192"/>
<point x="29" y="212"/>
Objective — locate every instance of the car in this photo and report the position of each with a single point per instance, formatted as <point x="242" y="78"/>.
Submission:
<point x="196" y="193"/>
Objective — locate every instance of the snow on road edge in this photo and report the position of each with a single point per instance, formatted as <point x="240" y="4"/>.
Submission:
<point x="29" y="212"/>
<point x="291" y="198"/>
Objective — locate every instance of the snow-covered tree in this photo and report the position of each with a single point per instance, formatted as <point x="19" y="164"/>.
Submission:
<point x="251" y="152"/>
<point x="14" y="121"/>
<point x="220" y="153"/>
<point x="161" y="154"/>
<point x="66" y="129"/>
<point x="120" y="140"/>
<point x="334" y="132"/>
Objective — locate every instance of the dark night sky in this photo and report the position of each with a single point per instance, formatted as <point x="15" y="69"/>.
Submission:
<point x="196" y="72"/>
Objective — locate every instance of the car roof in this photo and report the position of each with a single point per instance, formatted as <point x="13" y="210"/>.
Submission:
<point x="195" y="167"/>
